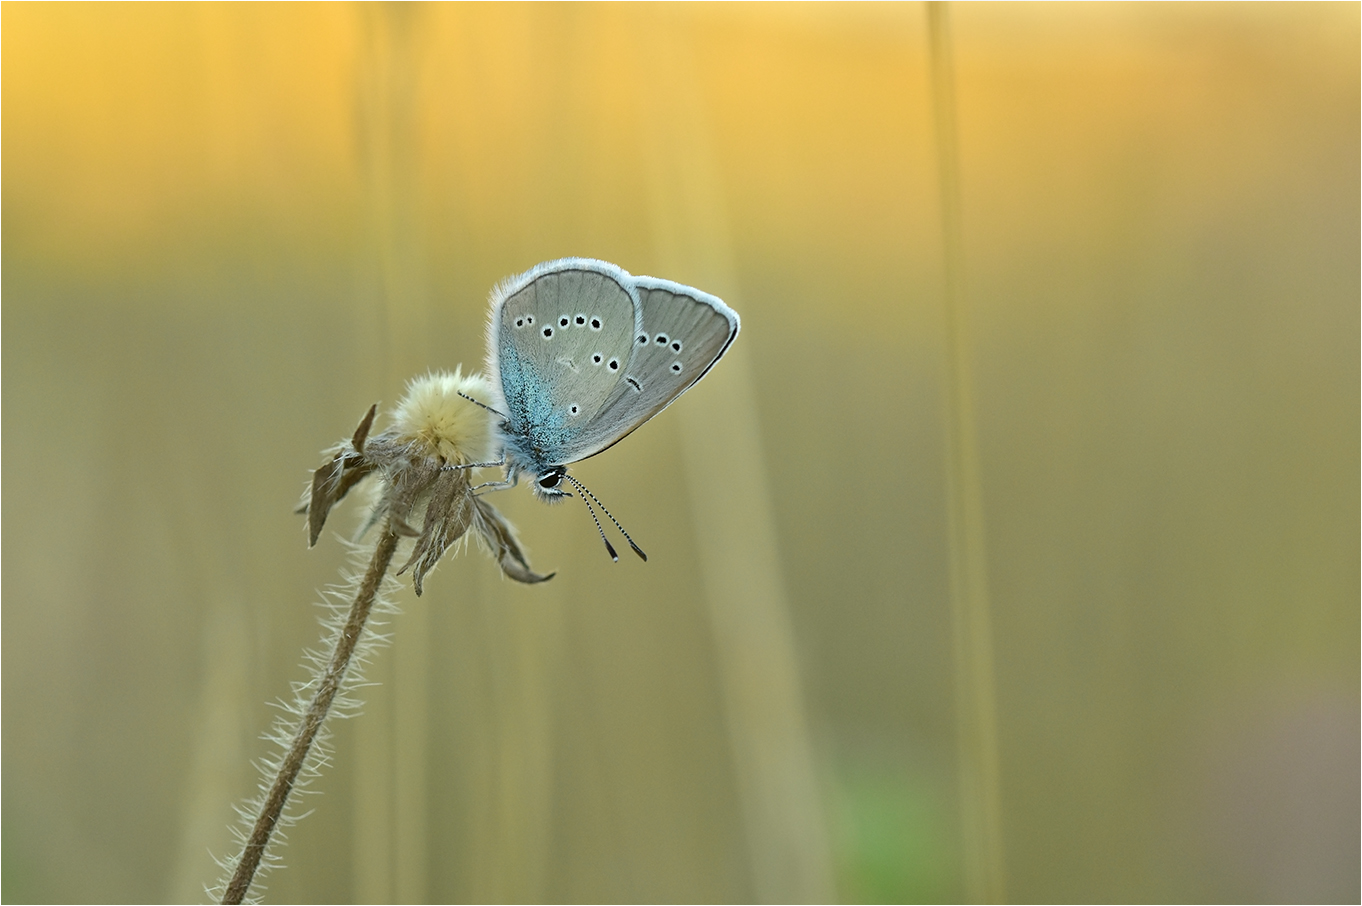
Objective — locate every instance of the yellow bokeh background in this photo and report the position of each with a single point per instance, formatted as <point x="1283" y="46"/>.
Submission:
<point x="230" y="228"/>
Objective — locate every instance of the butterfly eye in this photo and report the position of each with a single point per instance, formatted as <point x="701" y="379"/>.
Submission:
<point x="596" y="358"/>
<point x="661" y="339"/>
<point x="550" y="480"/>
<point x="548" y="332"/>
<point x="676" y="345"/>
<point x="595" y="323"/>
<point x="676" y="367"/>
<point x="643" y="339"/>
<point x="579" y="320"/>
<point x="614" y="365"/>
<point x="564" y="321"/>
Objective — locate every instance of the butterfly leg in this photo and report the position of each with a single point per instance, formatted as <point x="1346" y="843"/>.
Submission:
<point x="511" y="480"/>
<point x="494" y="485"/>
<point x="458" y="467"/>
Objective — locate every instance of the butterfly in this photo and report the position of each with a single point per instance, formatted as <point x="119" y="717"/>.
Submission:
<point x="580" y="353"/>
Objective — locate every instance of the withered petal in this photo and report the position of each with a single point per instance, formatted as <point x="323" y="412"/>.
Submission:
<point x="501" y="538"/>
<point x="362" y="432"/>
<point x="448" y="516"/>
<point x="331" y="482"/>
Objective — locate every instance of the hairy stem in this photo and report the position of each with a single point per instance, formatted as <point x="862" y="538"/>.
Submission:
<point x="311" y="722"/>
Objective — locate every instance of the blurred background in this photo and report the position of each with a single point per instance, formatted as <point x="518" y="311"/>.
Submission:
<point x="229" y="229"/>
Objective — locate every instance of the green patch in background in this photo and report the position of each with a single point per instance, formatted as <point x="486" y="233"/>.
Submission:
<point x="893" y="839"/>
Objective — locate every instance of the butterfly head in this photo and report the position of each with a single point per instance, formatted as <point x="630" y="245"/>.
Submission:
<point x="549" y="485"/>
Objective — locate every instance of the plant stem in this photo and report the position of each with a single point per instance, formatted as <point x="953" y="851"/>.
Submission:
<point x="312" y="721"/>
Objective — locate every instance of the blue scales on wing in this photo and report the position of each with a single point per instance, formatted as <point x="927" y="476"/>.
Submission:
<point x="562" y="335"/>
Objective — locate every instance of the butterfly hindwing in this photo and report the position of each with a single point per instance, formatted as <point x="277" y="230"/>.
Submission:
<point x="682" y="333"/>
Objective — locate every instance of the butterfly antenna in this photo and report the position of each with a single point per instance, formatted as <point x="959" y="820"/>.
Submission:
<point x="476" y="403"/>
<point x="581" y="487"/>
<point x="613" y="556"/>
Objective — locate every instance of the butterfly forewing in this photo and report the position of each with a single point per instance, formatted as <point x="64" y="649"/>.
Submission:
<point x="683" y="333"/>
<point x="563" y="340"/>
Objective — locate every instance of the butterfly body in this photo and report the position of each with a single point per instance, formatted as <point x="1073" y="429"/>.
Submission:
<point x="581" y="353"/>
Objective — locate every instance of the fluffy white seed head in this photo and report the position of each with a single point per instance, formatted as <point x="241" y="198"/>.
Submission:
<point x="433" y="414"/>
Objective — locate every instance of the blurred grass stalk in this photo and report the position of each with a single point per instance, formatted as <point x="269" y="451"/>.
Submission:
<point x="772" y="756"/>
<point x="976" y="720"/>
<point x="730" y="504"/>
<point x="390" y="840"/>
<point x="393" y="845"/>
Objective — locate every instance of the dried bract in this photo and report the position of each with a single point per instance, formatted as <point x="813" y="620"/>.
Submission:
<point x="418" y="460"/>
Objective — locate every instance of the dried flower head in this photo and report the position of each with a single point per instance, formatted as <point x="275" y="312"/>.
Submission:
<point x="434" y="415"/>
<point x="417" y="460"/>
